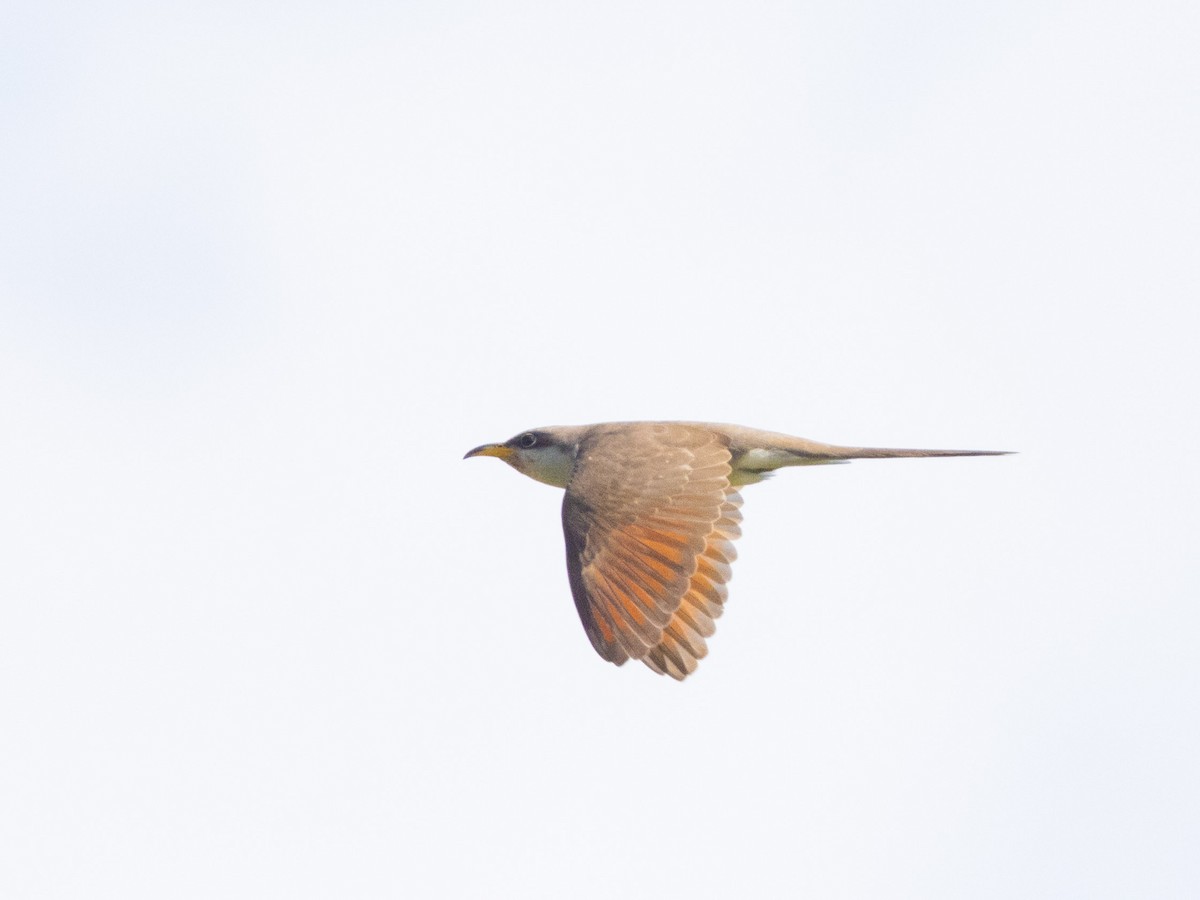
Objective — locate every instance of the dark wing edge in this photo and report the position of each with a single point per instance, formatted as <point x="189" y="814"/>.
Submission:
<point x="599" y="632"/>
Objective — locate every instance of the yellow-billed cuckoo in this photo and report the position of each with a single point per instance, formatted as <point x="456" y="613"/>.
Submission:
<point x="650" y="516"/>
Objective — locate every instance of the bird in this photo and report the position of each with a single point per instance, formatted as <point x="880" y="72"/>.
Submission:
<point x="650" y="516"/>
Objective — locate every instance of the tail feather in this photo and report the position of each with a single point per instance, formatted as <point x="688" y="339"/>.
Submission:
<point x="889" y="453"/>
<point x="818" y="452"/>
<point x="754" y="465"/>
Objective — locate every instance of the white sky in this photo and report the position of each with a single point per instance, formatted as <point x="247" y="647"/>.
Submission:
<point x="268" y="270"/>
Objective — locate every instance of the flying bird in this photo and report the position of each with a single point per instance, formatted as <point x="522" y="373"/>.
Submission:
<point x="650" y="516"/>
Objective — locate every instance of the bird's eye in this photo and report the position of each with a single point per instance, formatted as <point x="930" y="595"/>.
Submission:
<point x="528" y="440"/>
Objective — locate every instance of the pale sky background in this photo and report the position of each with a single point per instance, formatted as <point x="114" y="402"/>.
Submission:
<point x="268" y="270"/>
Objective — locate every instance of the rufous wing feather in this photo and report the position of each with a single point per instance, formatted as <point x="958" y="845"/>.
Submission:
<point x="650" y="519"/>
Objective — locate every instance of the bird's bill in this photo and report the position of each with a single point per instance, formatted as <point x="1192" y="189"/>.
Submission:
<point x="500" y="451"/>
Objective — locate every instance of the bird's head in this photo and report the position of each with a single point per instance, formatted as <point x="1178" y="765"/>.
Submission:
<point x="542" y="454"/>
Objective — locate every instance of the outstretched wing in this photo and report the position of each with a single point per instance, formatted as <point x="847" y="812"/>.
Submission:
<point x="650" y="519"/>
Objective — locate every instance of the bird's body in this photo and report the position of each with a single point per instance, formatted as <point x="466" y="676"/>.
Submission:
<point x="650" y="515"/>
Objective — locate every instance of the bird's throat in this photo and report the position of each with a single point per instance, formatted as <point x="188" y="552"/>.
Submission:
<point x="550" y="465"/>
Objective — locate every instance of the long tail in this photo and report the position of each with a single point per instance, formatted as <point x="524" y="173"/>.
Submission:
<point x="775" y="451"/>
<point x="818" y="452"/>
